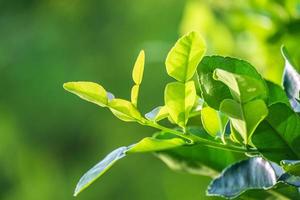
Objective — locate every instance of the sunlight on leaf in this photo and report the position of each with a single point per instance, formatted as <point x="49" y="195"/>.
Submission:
<point x="184" y="57"/>
<point x="124" y="110"/>
<point x="88" y="91"/>
<point x="179" y="100"/>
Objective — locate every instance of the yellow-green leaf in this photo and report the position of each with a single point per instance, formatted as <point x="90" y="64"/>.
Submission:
<point x="179" y="100"/>
<point x="135" y="94"/>
<point x="184" y="57"/>
<point x="150" y="144"/>
<point x="138" y="69"/>
<point x="213" y="121"/>
<point x="124" y="110"/>
<point x="157" y="113"/>
<point x="242" y="87"/>
<point x="88" y="91"/>
<point x="244" y="117"/>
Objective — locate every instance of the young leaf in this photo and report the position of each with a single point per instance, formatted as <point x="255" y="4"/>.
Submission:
<point x="157" y="113"/>
<point x="254" y="173"/>
<point x="137" y="76"/>
<point x="99" y="169"/>
<point x="135" y="94"/>
<point x="291" y="166"/>
<point x="242" y="87"/>
<point x="88" y="91"/>
<point x="179" y="100"/>
<point x="291" y="80"/>
<point x="124" y="110"/>
<point x="213" y="91"/>
<point x="278" y="136"/>
<point x="245" y="117"/>
<point x="184" y="57"/>
<point x="151" y="144"/>
<point x="213" y="121"/>
<point x="138" y="69"/>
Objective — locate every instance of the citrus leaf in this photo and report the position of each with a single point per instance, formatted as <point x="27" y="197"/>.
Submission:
<point x="276" y="94"/>
<point x="213" y="121"/>
<point x="99" y="169"/>
<point x="150" y="144"/>
<point x="135" y="94"/>
<point x="291" y="166"/>
<point x="184" y="57"/>
<point x="138" y="69"/>
<point x="88" y="91"/>
<point x="245" y="117"/>
<point x="124" y="110"/>
<point x="242" y="87"/>
<point x="214" y="92"/>
<point x="179" y="100"/>
<point x="291" y="80"/>
<point x="157" y="113"/>
<point x="278" y="136"/>
<point x="254" y="173"/>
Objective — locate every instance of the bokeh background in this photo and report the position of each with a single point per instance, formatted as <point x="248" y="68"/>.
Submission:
<point x="49" y="138"/>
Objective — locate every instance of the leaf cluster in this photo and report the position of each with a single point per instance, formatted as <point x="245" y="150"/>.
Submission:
<point x="225" y="116"/>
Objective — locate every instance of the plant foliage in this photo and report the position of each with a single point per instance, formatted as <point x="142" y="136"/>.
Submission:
<point x="242" y="124"/>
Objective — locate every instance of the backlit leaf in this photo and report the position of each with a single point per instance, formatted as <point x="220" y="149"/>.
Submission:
<point x="179" y="100"/>
<point x="184" y="57"/>
<point x="138" y="69"/>
<point x="124" y="110"/>
<point x="88" y="91"/>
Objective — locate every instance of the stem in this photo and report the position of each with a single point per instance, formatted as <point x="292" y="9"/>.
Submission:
<point x="198" y="140"/>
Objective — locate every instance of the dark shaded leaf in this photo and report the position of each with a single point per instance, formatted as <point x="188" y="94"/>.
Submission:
<point x="278" y="136"/>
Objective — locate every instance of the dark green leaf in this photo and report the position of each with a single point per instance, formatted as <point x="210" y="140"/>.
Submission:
<point x="276" y="94"/>
<point x="213" y="91"/>
<point x="291" y="166"/>
<point x="254" y="173"/>
<point x="278" y="136"/>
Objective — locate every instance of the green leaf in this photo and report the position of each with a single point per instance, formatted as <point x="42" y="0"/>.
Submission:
<point x="99" y="169"/>
<point x="291" y="80"/>
<point x="291" y="166"/>
<point x="213" y="91"/>
<point x="124" y="110"/>
<point x="135" y="94"/>
<point x="242" y="87"/>
<point x="278" y="136"/>
<point x="198" y="159"/>
<point x="184" y="57"/>
<point x="245" y="117"/>
<point x="254" y="173"/>
<point x="157" y="114"/>
<point x="276" y="94"/>
<point x="179" y="100"/>
<point x="213" y="121"/>
<point x="137" y="76"/>
<point x="150" y="144"/>
<point x="88" y="91"/>
<point x="138" y="69"/>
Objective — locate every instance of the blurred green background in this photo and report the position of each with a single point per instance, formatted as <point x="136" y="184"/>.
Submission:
<point x="49" y="138"/>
